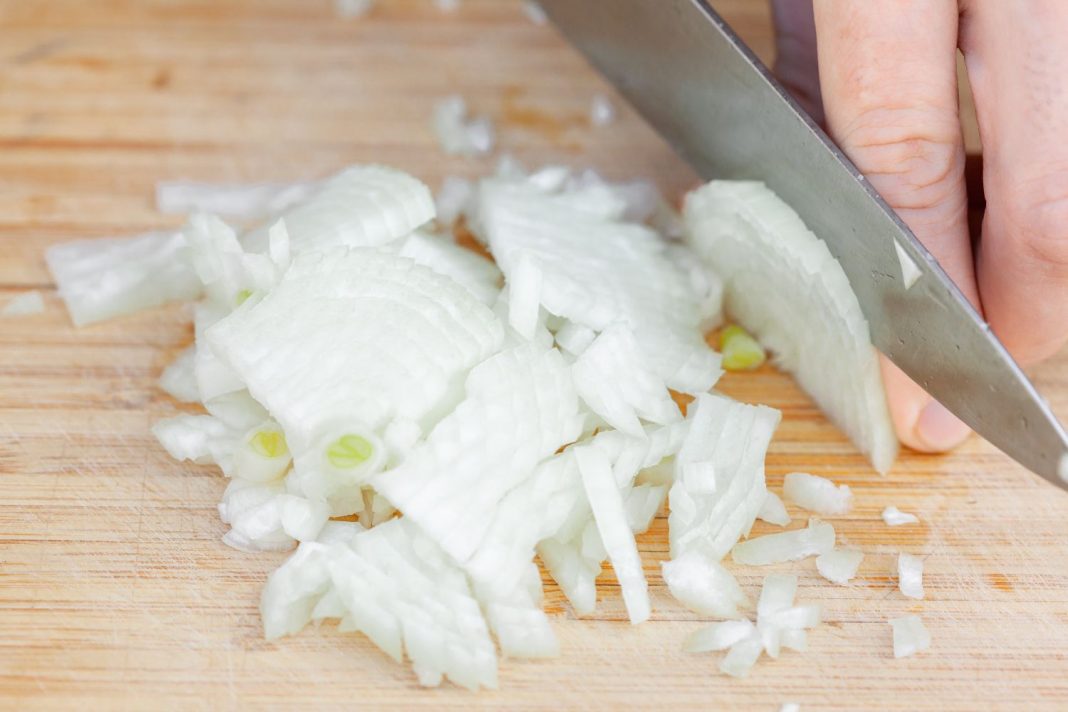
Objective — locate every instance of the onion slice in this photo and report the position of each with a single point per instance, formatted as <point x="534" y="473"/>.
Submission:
<point x="910" y="575"/>
<point x="817" y="494"/>
<point x="816" y="539"/>
<point x="910" y="636"/>
<point x="784" y="286"/>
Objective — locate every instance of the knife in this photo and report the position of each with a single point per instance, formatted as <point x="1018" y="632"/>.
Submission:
<point x="720" y="108"/>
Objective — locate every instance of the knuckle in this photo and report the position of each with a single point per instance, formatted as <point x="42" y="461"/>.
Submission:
<point x="914" y="158"/>
<point x="1038" y="223"/>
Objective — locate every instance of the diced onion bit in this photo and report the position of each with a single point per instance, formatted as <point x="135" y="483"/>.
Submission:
<point x="774" y="511"/>
<point x="602" y="111"/>
<point x="269" y="443"/>
<point x="817" y="538"/>
<point x="24" y="304"/>
<point x="474" y="414"/>
<point x="839" y="565"/>
<point x="349" y="451"/>
<point x="910" y="636"/>
<point x="910" y="272"/>
<point x="817" y="494"/>
<point x="910" y="575"/>
<point x="790" y="707"/>
<point x="894" y="517"/>
<point x="741" y="352"/>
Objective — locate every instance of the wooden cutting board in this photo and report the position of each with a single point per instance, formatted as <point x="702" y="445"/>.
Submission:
<point x="115" y="590"/>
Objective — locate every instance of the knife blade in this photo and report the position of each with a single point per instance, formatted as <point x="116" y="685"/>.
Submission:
<point x="708" y="95"/>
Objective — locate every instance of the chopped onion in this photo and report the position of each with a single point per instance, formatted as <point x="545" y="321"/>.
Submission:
<point x="458" y="134"/>
<point x="910" y="575"/>
<point x="608" y="512"/>
<point x="29" y="302"/>
<point x="816" y="539"/>
<point x="454" y="199"/>
<point x="910" y="636"/>
<point x="718" y="636"/>
<point x="239" y="201"/>
<point x="817" y="494"/>
<point x="353" y="8"/>
<point x="602" y="111"/>
<point x="909" y="271"/>
<point x="740" y="351"/>
<point x="894" y="517"/>
<point x="596" y="271"/>
<point x="179" y="380"/>
<point x="103" y="278"/>
<point x="773" y="511"/>
<point x="734" y="438"/>
<point x="742" y="656"/>
<point x="703" y="585"/>
<point x="613" y="379"/>
<point x="839" y="565"/>
<point x="783" y="284"/>
<point x="790" y="707"/>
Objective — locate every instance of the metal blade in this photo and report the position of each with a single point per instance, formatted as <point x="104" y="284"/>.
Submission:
<point x="698" y="84"/>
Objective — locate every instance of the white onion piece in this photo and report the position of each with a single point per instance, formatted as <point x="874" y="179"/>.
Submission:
<point x="574" y="338"/>
<point x="910" y="575"/>
<point x="894" y="517"/>
<point x="607" y="506"/>
<point x="909" y="271"/>
<point x="179" y="379"/>
<point x="103" y="278"/>
<point x="520" y="407"/>
<point x="349" y="340"/>
<point x="302" y="519"/>
<point x="596" y="271"/>
<point x="784" y="286"/>
<point x="776" y="594"/>
<point x="425" y="595"/>
<point x="474" y="272"/>
<point x="353" y="8"/>
<point x="718" y="636"/>
<point x="263" y="455"/>
<point x="453" y="199"/>
<point x="447" y="5"/>
<point x="817" y="538"/>
<point x="29" y="302"/>
<point x="817" y="494"/>
<point x="742" y="656"/>
<point x="197" y="438"/>
<point x="613" y="379"/>
<point x="910" y="636"/>
<point x="457" y="133"/>
<point x="790" y="707"/>
<point x="602" y="111"/>
<point x="734" y="438"/>
<point x="361" y="206"/>
<point x="642" y="503"/>
<point x="703" y="585"/>
<point x="773" y="511"/>
<point x="241" y="201"/>
<point x="839" y="565"/>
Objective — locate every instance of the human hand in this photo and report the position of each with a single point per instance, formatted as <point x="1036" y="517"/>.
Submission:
<point x="888" y="82"/>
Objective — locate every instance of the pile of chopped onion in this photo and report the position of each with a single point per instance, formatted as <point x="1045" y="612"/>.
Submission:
<point x="420" y="424"/>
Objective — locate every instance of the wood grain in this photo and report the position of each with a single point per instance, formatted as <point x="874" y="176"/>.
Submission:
<point x="115" y="591"/>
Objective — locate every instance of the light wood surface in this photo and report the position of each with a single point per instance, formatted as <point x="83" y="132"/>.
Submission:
<point x="115" y="590"/>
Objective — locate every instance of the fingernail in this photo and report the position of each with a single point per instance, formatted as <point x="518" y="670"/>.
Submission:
<point x="940" y="429"/>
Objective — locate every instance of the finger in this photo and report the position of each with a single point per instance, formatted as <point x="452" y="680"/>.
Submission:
<point x="888" y="75"/>
<point x="796" y="64"/>
<point x="1017" y="61"/>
